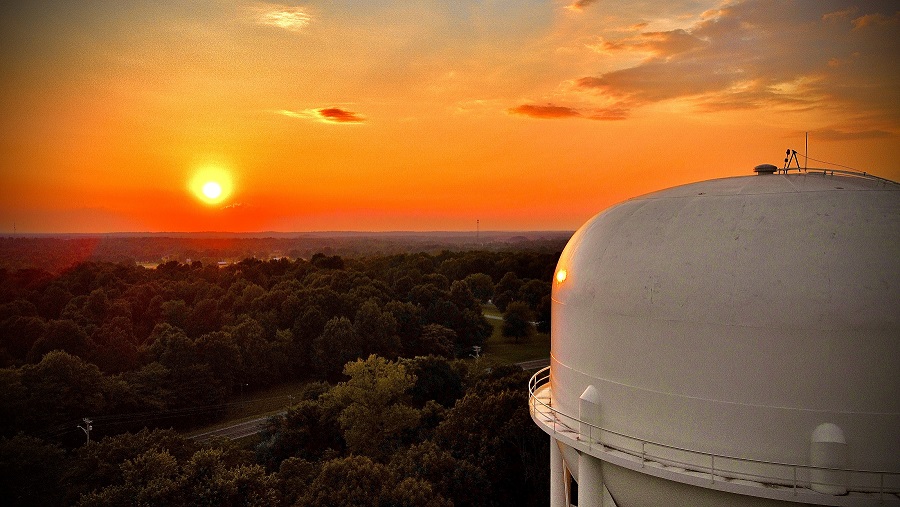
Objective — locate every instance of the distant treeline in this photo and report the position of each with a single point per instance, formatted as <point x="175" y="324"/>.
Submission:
<point x="57" y="253"/>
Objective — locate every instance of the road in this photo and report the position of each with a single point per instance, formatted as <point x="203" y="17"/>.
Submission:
<point x="235" y="431"/>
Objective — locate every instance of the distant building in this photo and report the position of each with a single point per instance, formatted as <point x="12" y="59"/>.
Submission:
<point x="729" y="342"/>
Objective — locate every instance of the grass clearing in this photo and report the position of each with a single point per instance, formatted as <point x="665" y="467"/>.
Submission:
<point x="506" y="350"/>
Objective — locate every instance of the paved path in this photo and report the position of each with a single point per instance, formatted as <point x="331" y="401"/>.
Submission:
<point x="235" y="431"/>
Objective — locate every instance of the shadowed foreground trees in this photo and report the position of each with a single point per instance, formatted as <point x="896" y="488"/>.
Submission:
<point x="481" y="450"/>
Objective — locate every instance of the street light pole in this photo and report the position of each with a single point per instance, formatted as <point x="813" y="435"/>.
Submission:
<point x="86" y="428"/>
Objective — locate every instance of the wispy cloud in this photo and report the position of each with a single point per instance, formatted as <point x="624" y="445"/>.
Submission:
<point x="326" y="115"/>
<point x="550" y="111"/>
<point x="579" y="5"/>
<point x="876" y="19"/>
<point x="282" y="16"/>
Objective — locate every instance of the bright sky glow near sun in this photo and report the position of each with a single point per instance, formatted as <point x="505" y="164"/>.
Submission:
<point x="421" y="115"/>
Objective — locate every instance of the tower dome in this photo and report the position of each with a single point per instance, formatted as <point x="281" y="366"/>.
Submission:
<point x="726" y="330"/>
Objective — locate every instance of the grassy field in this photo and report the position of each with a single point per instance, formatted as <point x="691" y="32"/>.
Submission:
<point x="505" y="349"/>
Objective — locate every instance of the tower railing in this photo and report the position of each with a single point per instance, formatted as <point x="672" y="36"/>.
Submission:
<point x="700" y="464"/>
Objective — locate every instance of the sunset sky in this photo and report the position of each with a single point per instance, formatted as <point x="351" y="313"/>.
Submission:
<point x="422" y="115"/>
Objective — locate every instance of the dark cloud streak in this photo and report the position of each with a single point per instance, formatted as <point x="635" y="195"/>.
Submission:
<point x="338" y="115"/>
<point x="551" y="112"/>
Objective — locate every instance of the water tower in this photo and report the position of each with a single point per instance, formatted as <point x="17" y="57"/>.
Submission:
<point x="729" y="342"/>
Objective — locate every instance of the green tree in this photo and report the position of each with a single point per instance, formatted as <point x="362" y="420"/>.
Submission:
<point x="354" y="481"/>
<point x="336" y="345"/>
<point x="455" y="479"/>
<point x="435" y="339"/>
<point x="374" y="411"/>
<point x="482" y="286"/>
<point x="61" y="335"/>
<point x="63" y="387"/>
<point x="377" y="330"/>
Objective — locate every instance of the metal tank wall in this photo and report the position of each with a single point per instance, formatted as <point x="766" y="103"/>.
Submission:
<point x="735" y="316"/>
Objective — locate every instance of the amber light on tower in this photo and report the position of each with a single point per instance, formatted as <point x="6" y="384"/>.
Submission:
<point x="561" y="276"/>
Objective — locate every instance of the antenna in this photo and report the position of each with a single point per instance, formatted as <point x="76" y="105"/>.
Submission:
<point x="806" y="155"/>
<point x="478" y="231"/>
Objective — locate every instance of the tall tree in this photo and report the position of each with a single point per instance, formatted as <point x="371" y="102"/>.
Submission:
<point x="375" y="414"/>
<point x="517" y="321"/>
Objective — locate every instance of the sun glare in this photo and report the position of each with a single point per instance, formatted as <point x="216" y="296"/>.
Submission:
<point x="211" y="184"/>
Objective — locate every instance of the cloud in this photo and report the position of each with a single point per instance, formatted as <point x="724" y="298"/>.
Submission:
<point x="338" y="115"/>
<point x="756" y="54"/>
<point x="877" y="19"/>
<point x="282" y="16"/>
<point x="579" y="5"/>
<point x="550" y="111"/>
<point x="544" y="112"/>
<point x="325" y="115"/>
<point x="662" y="44"/>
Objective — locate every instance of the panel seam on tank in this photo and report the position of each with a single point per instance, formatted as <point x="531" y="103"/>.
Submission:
<point x="698" y="398"/>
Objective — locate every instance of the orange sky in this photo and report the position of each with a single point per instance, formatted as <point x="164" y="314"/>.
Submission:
<point x="422" y="115"/>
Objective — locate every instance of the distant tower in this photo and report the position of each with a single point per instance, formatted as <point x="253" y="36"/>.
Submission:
<point x="729" y="342"/>
<point x="477" y="231"/>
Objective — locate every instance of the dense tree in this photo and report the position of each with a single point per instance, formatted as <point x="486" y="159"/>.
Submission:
<point x="374" y="414"/>
<point x="62" y="388"/>
<point x="495" y="430"/>
<point x="18" y="335"/>
<point x="354" y="481"/>
<point x="337" y="345"/>
<point x="436" y="380"/>
<point x="61" y="335"/>
<point x="482" y="286"/>
<point x="434" y="339"/>
<point x="31" y="472"/>
<point x="377" y="330"/>
<point x="455" y="479"/>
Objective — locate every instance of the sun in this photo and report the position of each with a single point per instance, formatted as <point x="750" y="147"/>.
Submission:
<point x="211" y="184"/>
<point x="212" y="190"/>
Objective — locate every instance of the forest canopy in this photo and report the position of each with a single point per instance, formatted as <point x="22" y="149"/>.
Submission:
<point x="378" y="339"/>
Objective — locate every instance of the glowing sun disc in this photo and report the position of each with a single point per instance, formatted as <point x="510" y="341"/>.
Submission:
<point x="212" y="190"/>
<point x="211" y="184"/>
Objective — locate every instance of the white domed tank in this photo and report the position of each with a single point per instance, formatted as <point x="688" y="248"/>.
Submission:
<point x="729" y="341"/>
